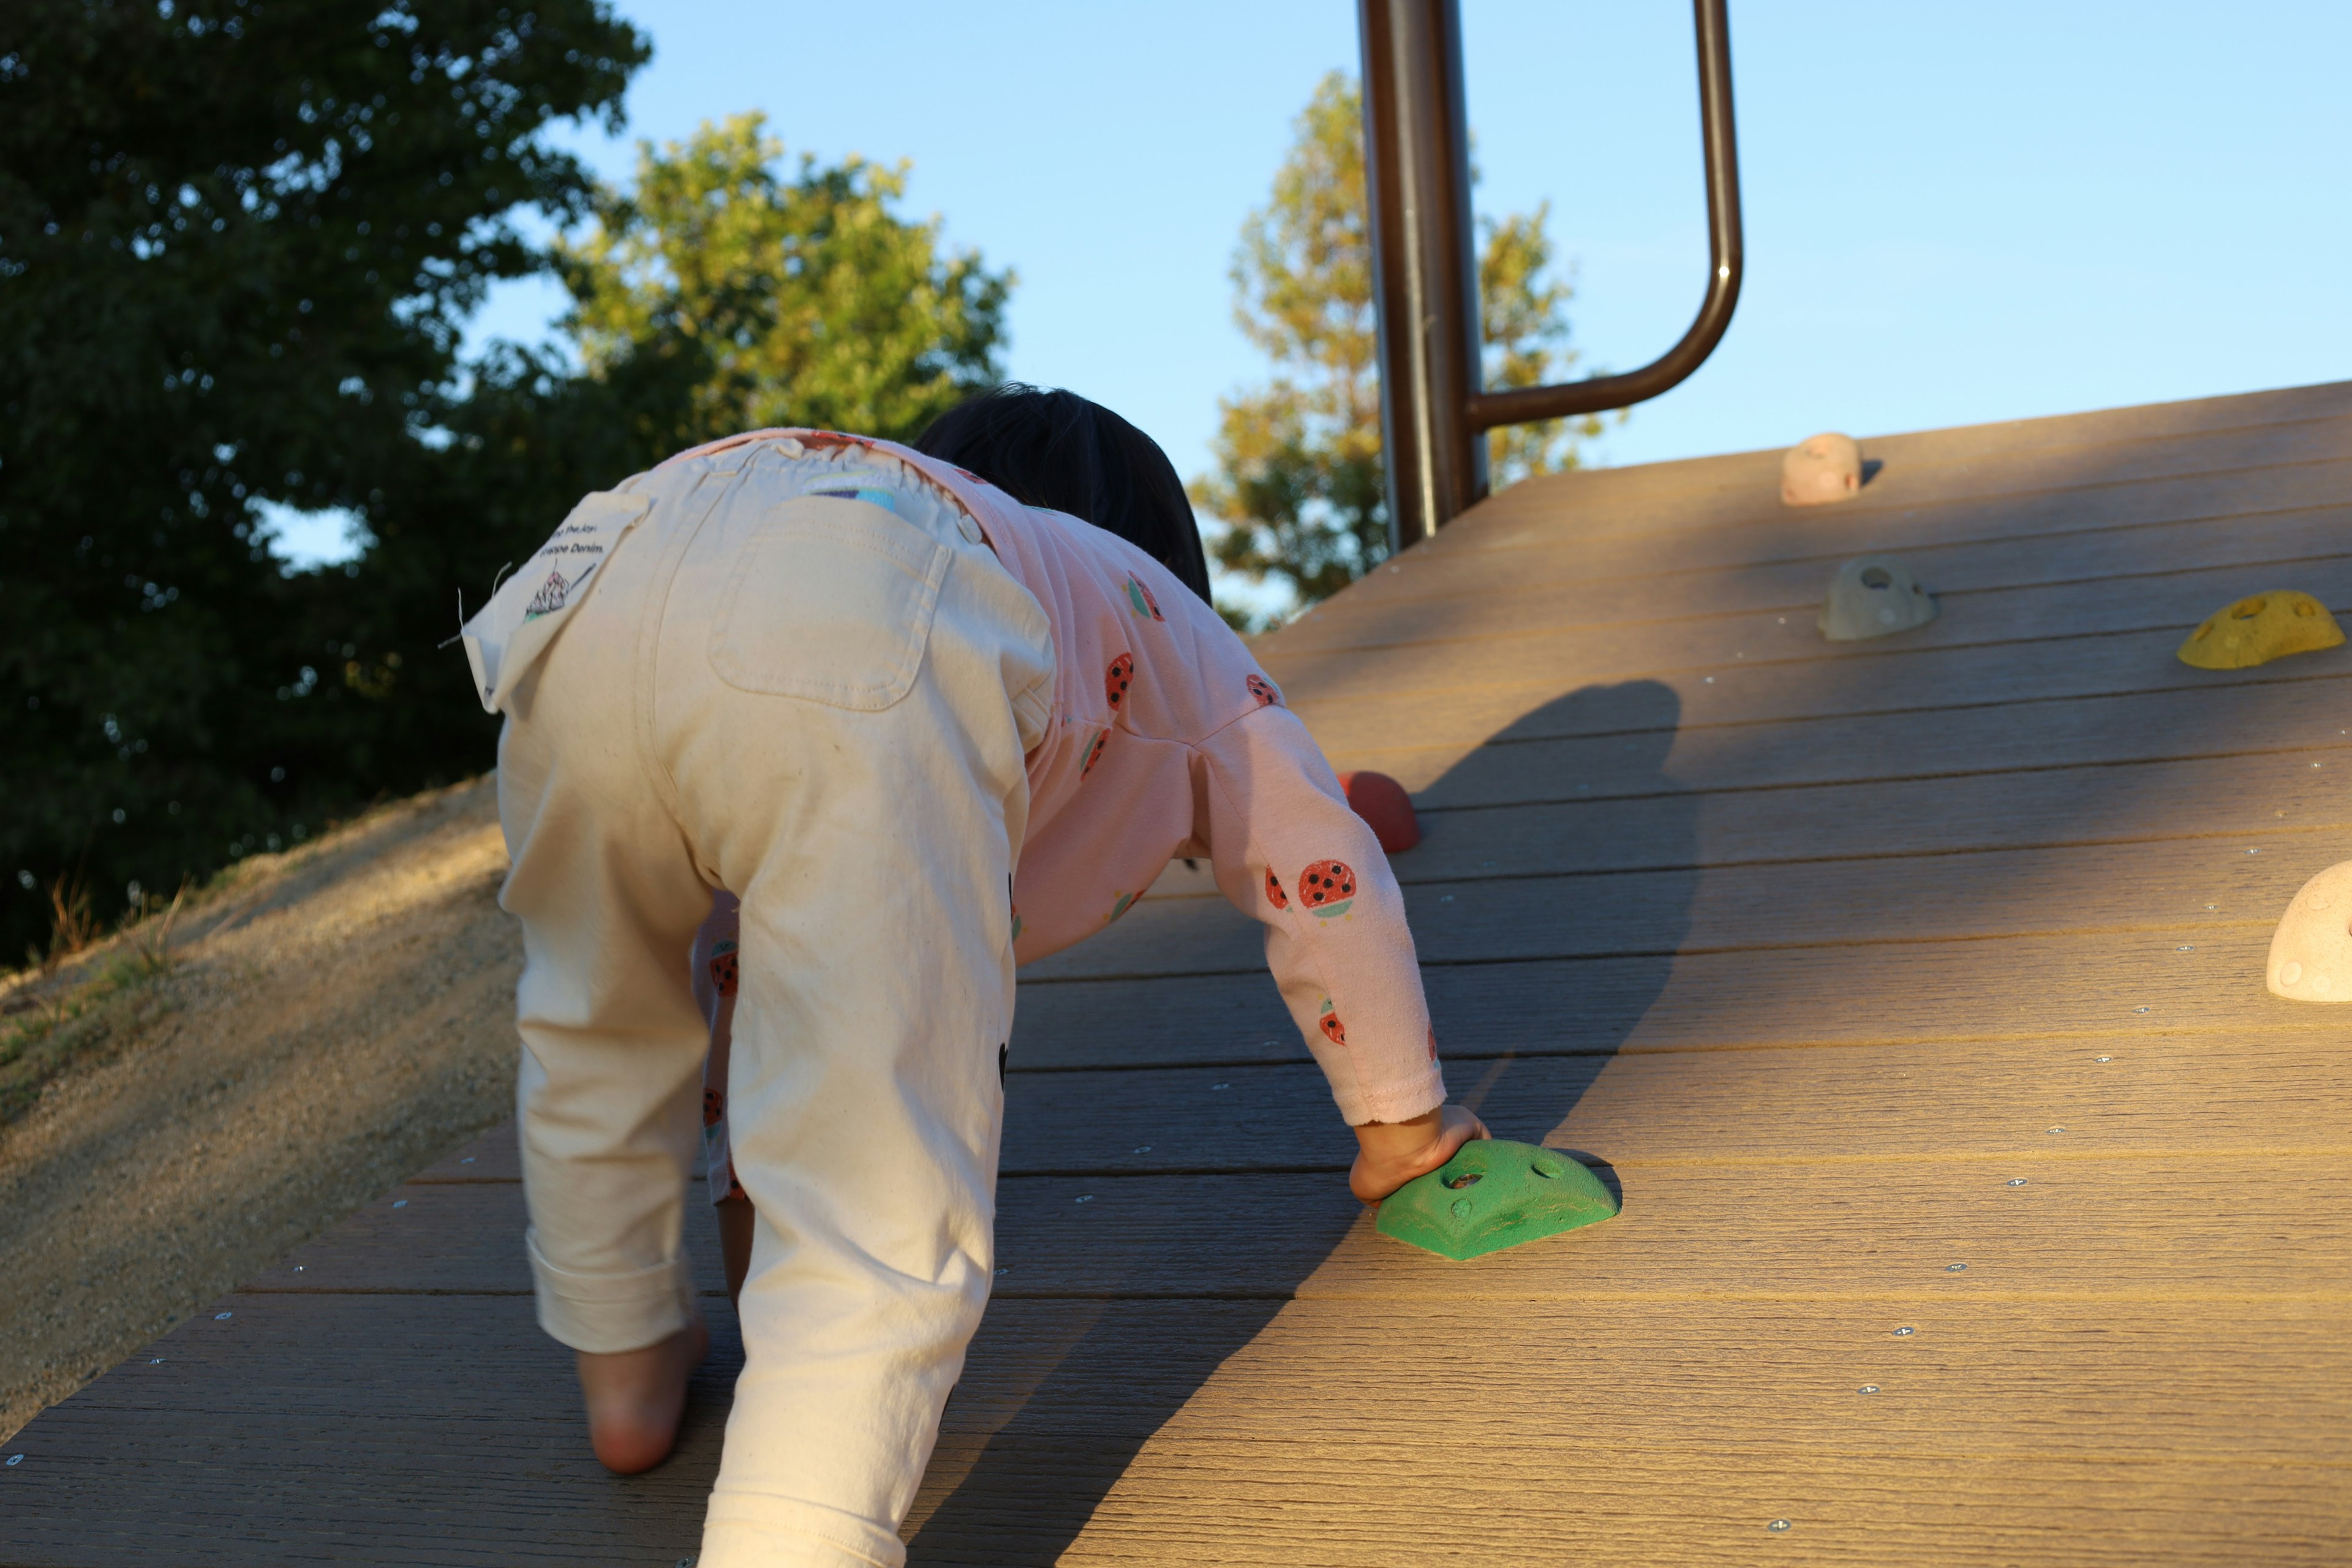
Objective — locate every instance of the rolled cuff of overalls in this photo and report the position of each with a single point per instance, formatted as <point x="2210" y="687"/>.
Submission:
<point x="750" y="1530"/>
<point x="602" y="1314"/>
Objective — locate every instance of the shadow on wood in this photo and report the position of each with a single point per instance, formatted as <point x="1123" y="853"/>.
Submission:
<point x="1062" y="1390"/>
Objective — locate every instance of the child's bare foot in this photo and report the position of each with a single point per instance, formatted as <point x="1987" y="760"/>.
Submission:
<point x="635" y="1397"/>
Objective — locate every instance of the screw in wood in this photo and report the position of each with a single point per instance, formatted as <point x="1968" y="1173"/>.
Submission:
<point x="1868" y="1388"/>
<point x="1905" y="1331"/>
<point x="1776" y="1524"/>
<point x="1955" y="1268"/>
<point x="2017" y="1181"/>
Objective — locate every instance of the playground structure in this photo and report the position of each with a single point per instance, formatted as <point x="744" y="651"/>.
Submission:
<point x="1980" y="1204"/>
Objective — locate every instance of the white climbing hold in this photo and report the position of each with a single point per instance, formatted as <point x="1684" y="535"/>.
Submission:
<point x="1874" y="596"/>
<point x="1820" y="469"/>
<point x="2311" y="950"/>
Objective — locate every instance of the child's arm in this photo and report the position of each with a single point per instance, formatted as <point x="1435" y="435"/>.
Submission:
<point x="1288" y="851"/>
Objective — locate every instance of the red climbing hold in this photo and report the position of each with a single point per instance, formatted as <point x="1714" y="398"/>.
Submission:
<point x="1381" y="802"/>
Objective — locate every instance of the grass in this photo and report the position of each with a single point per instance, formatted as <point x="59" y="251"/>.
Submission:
<point x="44" y="1034"/>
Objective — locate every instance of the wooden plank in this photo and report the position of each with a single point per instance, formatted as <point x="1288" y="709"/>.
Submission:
<point x="472" y="1452"/>
<point x="1931" y="462"/>
<point x="2097" y="988"/>
<point x="446" y="1238"/>
<point x="1568" y="567"/>
<point x="494" y="1157"/>
<point x="1978" y="1378"/>
<point x="2262" y="1228"/>
<point x="352" y="1429"/>
<point x="2133" y="625"/>
<point x="1743" y="491"/>
<point x="1935" y="998"/>
<point x="2162" y="1095"/>
<point x="1339" y="1500"/>
<point x="1955" y="743"/>
<point x="1441" y="724"/>
<point x="1488" y="1432"/>
<point x="490" y="1157"/>
<point x="1923" y="467"/>
<point x="2269" y="1228"/>
<point x="2204" y="520"/>
<point x="2258" y="798"/>
<point x="2174" y="891"/>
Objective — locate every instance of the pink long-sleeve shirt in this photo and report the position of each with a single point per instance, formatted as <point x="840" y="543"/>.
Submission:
<point x="1163" y="738"/>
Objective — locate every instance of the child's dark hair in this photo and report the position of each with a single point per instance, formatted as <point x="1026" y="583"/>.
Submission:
<point x="1052" y="448"/>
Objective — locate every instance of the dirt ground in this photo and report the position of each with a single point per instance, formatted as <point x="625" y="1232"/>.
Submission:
<point x="330" y="1021"/>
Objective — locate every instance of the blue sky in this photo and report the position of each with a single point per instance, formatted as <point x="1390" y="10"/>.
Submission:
<point x="1955" y="214"/>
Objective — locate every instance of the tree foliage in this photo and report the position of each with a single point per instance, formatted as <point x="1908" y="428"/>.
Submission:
<point x="238" y="245"/>
<point x="1299" y="482"/>
<point x="799" y="301"/>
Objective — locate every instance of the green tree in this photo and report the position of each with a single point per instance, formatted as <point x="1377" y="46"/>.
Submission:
<point x="237" y="242"/>
<point x="800" y="300"/>
<point x="1299" y="482"/>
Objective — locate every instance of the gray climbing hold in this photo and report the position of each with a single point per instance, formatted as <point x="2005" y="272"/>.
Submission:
<point x="1874" y="596"/>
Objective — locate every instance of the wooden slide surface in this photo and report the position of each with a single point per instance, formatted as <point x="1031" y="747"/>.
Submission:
<point x="1980" y="1206"/>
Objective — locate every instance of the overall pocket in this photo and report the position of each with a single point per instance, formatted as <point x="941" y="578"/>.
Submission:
<point x="830" y="599"/>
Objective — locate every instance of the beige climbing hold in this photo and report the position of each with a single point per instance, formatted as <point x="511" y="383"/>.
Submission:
<point x="1820" y="469"/>
<point x="2259" y="629"/>
<point x="1874" y="596"/>
<point x="2311" y="952"/>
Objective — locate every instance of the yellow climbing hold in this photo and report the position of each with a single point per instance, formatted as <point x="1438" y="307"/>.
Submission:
<point x="2259" y="629"/>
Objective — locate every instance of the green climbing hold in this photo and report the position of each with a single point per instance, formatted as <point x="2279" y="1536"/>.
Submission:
<point x="1495" y="1193"/>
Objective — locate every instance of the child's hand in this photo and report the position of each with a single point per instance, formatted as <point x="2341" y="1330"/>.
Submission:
<point x="1391" y="1154"/>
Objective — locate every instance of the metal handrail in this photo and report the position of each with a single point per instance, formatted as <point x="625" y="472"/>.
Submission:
<point x="1434" y="413"/>
<point x="1521" y="405"/>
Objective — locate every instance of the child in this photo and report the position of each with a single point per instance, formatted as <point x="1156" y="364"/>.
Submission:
<point x="908" y="732"/>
